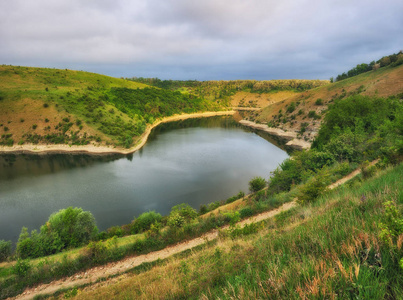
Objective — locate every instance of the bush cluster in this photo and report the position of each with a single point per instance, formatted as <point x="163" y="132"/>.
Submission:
<point x="68" y="228"/>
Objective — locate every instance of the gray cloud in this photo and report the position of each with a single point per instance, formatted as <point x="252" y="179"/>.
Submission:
<point x="208" y="39"/>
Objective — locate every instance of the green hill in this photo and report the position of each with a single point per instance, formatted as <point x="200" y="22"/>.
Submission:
<point x="51" y="106"/>
<point x="304" y="112"/>
<point x="333" y="243"/>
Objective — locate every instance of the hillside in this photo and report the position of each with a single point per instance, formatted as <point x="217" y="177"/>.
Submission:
<point x="343" y="243"/>
<point x="50" y="106"/>
<point x="238" y="93"/>
<point x="330" y="249"/>
<point x="304" y="112"/>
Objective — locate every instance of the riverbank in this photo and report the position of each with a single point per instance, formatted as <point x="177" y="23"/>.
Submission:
<point x="43" y="149"/>
<point x="289" y="136"/>
<point x="94" y="149"/>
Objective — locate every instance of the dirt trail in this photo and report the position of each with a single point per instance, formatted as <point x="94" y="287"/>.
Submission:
<point x="92" y="275"/>
<point x="350" y="176"/>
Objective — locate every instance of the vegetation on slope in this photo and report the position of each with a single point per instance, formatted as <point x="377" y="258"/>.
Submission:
<point x="304" y="112"/>
<point x="221" y="91"/>
<point x="392" y="60"/>
<point x="52" y="106"/>
<point x="306" y="175"/>
<point x="333" y="248"/>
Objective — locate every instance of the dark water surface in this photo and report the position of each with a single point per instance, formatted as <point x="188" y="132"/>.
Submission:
<point x="195" y="161"/>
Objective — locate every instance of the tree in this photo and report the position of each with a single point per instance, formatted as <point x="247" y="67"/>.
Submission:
<point x="73" y="226"/>
<point x="257" y="184"/>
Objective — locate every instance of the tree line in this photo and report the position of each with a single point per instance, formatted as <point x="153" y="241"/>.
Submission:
<point x="392" y="60"/>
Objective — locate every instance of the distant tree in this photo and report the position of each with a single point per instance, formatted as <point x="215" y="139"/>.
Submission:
<point x="376" y="67"/>
<point x="384" y="61"/>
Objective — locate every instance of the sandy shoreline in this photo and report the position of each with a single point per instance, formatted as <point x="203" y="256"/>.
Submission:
<point x="289" y="136"/>
<point x="102" y="150"/>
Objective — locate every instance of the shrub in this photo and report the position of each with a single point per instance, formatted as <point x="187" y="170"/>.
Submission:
<point x="97" y="252"/>
<point x="115" y="231"/>
<point x="203" y="209"/>
<point x="367" y="171"/>
<point x="291" y="107"/>
<point x="245" y="212"/>
<point x="22" y="268"/>
<point x="232" y="217"/>
<point x="73" y="226"/>
<point x="25" y="245"/>
<point x="319" y="101"/>
<point x="312" y="189"/>
<point x="175" y="220"/>
<point x="34" y="126"/>
<point x="312" y="114"/>
<point x="391" y="224"/>
<point x="260" y="196"/>
<point x="145" y="220"/>
<point x="5" y="250"/>
<point x="256" y="184"/>
<point x="185" y="211"/>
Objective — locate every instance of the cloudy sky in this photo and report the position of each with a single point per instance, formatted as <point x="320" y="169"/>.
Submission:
<point x="208" y="39"/>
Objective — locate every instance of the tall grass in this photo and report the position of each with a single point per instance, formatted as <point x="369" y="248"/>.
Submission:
<point x="328" y="249"/>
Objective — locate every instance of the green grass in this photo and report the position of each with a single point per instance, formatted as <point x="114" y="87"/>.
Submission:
<point x="329" y="249"/>
<point x="117" y="110"/>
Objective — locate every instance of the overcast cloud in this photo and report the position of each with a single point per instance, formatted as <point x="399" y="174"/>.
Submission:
<point x="209" y="39"/>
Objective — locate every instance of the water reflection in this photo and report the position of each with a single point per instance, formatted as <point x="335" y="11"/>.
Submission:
<point x="13" y="166"/>
<point x="196" y="161"/>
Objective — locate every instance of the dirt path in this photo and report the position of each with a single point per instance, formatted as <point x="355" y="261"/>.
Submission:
<point x="350" y="176"/>
<point x="92" y="275"/>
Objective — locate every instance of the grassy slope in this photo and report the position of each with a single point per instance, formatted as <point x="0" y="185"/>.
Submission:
<point x="25" y="90"/>
<point x="384" y="82"/>
<point x="238" y="93"/>
<point x="43" y="106"/>
<point x="330" y="249"/>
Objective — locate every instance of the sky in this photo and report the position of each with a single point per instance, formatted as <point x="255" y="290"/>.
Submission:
<point x="203" y="40"/>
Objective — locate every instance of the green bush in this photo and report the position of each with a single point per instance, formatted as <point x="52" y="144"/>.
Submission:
<point x="74" y="226"/>
<point x="175" y="220"/>
<point x="22" y="268"/>
<point x="291" y="107"/>
<point x="71" y="227"/>
<point x="391" y="224"/>
<point x="310" y="191"/>
<point x="115" y="231"/>
<point x="319" y="101"/>
<point x="97" y="252"/>
<point x="5" y="250"/>
<point x="256" y="184"/>
<point x="145" y="220"/>
<point x="246" y="212"/>
<point x="312" y="114"/>
<point x="203" y="209"/>
<point x="185" y="211"/>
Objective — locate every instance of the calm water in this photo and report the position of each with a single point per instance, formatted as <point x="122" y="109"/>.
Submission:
<point x="195" y="161"/>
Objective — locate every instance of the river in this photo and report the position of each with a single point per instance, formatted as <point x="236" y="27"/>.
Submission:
<point x="195" y="161"/>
